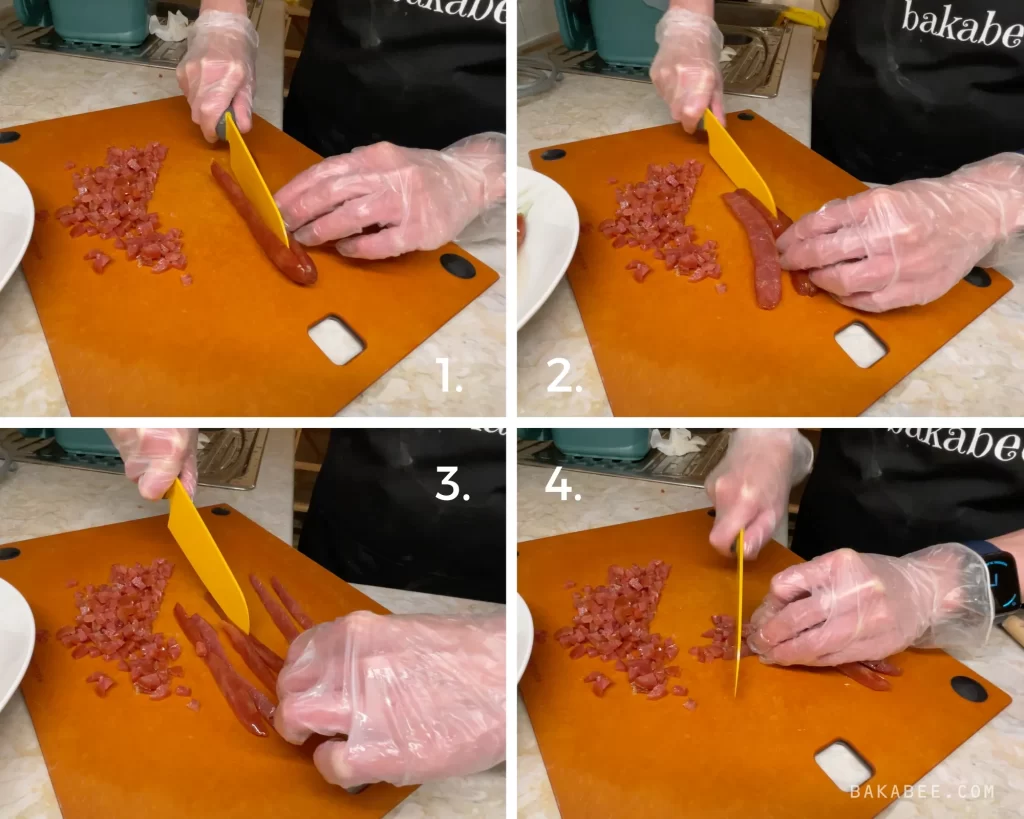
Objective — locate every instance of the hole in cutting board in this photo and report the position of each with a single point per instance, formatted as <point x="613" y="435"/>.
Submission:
<point x="861" y="344"/>
<point x="458" y="266"/>
<point x="969" y="689"/>
<point x="843" y="765"/>
<point x="336" y="339"/>
<point x="9" y="553"/>
<point x="220" y="510"/>
<point x="978" y="277"/>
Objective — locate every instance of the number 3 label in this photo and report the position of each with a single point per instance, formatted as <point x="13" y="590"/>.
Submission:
<point x="447" y="481"/>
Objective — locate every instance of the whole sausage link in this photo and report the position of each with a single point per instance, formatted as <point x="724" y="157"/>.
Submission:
<point x="293" y="261"/>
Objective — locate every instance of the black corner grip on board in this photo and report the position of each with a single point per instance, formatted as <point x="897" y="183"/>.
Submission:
<point x="9" y="136"/>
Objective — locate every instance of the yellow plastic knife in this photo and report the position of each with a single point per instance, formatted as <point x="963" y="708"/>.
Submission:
<point x="249" y="178"/>
<point x="195" y="541"/>
<point x="734" y="162"/>
<point x="739" y="613"/>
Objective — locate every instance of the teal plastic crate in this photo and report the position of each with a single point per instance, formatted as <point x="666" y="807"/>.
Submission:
<point x="619" y="444"/>
<point x="77" y="441"/>
<point x="33" y="12"/>
<point x="621" y="31"/>
<point x="104" y="22"/>
<point x="624" y="31"/>
<point x="534" y="434"/>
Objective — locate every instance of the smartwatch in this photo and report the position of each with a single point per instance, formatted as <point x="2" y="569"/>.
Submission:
<point x="1003" y="579"/>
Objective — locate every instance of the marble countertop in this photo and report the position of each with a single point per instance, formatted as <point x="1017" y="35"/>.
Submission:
<point x="37" y="86"/>
<point x="979" y="372"/>
<point x="42" y="500"/>
<point x="992" y="757"/>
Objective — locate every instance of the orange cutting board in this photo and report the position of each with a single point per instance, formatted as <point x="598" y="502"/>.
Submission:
<point x="748" y="756"/>
<point x="235" y="342"/>
<point x="126" y="755"/>
<point x="671" y="347"/>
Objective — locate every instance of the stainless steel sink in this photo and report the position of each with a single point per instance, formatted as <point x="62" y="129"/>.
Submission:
<point x="758" y="15"/>
<point x="152" y="51"/>
<point x="750" y="28"/>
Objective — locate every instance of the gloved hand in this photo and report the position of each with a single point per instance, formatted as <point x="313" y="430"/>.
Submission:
<point x="420" y="697"/>
<point x="153" y="458"/>
<point x="422" y="199"/>
<point x="750" y="485"/>
<point x="910" y="243"/>
<point x="219" y="69"/>
<point x="686" y="70"/>
<point x="843" y="606"/>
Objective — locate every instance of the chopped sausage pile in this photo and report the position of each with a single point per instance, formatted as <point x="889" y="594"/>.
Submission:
<point x="762" y="230"/>
<point x="613" y="622"/>
<point x="115" y="622"/>
<point x="112" y="201"/>
<point x="651" y="215"/>
<point x="723" y="640"/>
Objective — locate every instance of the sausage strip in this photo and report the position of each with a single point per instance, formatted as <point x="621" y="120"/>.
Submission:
<point x="767" y="272"/>
<point x="273" y="662"/>
<point x="883" y="667"/>
<point x="779" y="223"/>
<point x="292" y="604"/>
<point x="293" y="261"/>
<point x="865" y="676"/>
<point x="233" y="687"/>
<point x="277" y="614"/>
<point x="252" y="658"/>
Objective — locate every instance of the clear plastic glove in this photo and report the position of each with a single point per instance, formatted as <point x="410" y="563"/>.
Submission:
<point x="218" y="71"/>
<point x="421" y="199"/>
<point x="686" y="70"/>
<point x="844" y="607"/>
<point x="421" y="697"/>
<point x="750" y="485"/>
<point x="911" y="242"/>
<point x="153" y="458"/>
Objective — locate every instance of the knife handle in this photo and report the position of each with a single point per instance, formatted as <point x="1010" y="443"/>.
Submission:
<point x="222" y="127"/>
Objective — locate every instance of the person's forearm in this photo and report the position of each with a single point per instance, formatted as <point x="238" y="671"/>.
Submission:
<point x="705" y="7"/>
<point x="233" y="6"/>
<point x="1014" y="544"/>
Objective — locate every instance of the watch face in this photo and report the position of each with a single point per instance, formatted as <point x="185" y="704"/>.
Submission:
<point x="1005" y="588"/>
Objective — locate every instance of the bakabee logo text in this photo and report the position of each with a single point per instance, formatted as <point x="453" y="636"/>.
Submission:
<point x="979" y="443"/>
<point x="989" y="32"/>
<point x="473" y="9"/>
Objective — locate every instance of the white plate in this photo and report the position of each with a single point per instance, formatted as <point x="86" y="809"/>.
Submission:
<point x="524" y="637"/>
<point x="552" y="230"/>
<point x="17" y="639"/>
<point x="17" y="218"/>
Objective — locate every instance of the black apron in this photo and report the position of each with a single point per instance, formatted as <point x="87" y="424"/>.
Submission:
<point x="918" y="88"/>
<point x="419" y="73"/>
<point x="373" y="517"/>
<point x="895" y="491"/>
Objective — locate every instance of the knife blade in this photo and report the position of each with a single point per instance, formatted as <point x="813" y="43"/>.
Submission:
<point x="197" y="543"/>
<point x="249" y="178"/>
<point x="739" y="611"/>
<point x="734" y="162"/>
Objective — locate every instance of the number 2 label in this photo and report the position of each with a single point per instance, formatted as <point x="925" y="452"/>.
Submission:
<point x="555" y="386"/>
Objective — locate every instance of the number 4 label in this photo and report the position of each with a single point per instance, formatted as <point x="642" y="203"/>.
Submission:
<point x="562" y="489"/>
